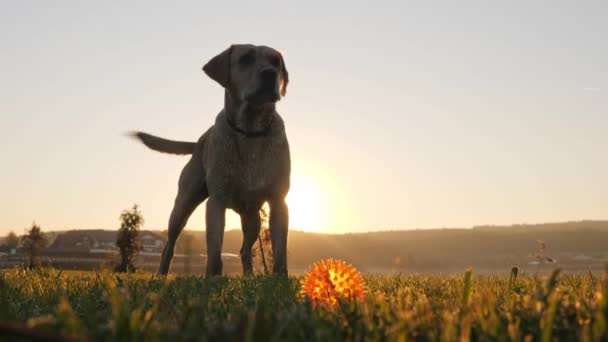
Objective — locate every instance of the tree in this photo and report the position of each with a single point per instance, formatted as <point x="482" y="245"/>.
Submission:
<point x="11" y="241"/>
<point x="126" y="239"/>
<point x="33" y="243"/>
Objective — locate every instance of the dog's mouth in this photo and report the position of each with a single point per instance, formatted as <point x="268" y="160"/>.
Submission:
<point x="263" y="95"/>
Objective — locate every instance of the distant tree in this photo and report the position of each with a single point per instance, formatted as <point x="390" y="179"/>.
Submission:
<point x="126" y="239"/>
<point x="11" y="241"/>
<point x="33" y="243"/>
<point x="541" y="255"/>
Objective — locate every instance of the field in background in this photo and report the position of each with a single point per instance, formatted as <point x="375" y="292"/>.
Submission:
<point x="105" y="306"/>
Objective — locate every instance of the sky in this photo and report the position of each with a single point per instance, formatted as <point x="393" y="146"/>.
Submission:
<point x="399" y="115"/>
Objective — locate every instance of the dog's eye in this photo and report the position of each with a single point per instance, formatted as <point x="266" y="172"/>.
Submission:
<point x="247" y="59"/>
<point x="275" y="61"/>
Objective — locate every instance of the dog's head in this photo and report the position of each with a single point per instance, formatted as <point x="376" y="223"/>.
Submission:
<point x="250" y="73"/>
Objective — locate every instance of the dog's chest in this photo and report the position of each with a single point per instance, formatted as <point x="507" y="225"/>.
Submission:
<point x="246" y="171"/>
<point x="257" y="164"/>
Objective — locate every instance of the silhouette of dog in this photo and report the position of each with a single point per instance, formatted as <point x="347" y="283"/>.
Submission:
<point x="240" y="162"/>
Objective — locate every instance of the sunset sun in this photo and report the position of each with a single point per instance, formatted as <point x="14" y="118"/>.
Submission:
<point x="305" y="201"/>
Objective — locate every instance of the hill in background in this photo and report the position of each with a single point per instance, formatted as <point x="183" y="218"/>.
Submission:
<point x="572" y="246"/>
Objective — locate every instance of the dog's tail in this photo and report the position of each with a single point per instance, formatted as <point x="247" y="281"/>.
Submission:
<point x="164" y="145"/>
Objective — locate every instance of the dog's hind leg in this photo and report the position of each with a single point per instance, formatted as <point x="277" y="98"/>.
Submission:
<point x="192" y="191"/>
<point x="250" y="224"/>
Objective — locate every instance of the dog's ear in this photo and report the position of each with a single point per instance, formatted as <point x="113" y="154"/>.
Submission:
<point x="284" y="76"/>
<point x="218" y="68"/>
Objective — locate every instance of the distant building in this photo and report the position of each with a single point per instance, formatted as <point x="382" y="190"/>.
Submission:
<point x="151" y="242"/>
<point x="102" y="241"/>
<point x="582" y="257"/>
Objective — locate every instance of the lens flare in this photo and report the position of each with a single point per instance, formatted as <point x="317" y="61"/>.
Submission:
<point x="331" y="281"/>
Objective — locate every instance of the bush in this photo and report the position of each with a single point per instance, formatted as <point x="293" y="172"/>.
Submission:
<point x="127" y="238"/>
<point x="33" y="243"/>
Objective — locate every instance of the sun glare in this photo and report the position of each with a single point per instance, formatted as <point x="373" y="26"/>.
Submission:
<point x="305" y="203"/>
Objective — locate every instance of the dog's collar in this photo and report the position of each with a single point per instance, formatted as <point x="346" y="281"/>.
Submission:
<point x="249" y="134"/>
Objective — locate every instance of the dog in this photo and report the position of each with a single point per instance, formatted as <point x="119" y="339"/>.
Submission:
<point x="239" y="163"/>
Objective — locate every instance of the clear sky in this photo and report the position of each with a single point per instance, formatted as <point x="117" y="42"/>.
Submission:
<point x="399" y="115"/>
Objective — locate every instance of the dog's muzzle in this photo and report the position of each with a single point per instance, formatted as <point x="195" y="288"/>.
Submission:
<point x="267" y="89"/>
<point x="269" y="76"/>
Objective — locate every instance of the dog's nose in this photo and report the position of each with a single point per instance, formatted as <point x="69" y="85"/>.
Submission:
<point x="268" y="74"/>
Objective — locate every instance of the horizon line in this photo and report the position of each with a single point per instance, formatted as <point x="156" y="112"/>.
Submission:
<point x="478" y="226"/>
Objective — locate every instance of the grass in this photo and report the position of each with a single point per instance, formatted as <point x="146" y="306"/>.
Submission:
<point x="105" y="306"/>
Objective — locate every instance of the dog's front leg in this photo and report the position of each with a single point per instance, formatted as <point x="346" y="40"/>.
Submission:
<point x="215" y="219"/>
<point x="279" y="222"/>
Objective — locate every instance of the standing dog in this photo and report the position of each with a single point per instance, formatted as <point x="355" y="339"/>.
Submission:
<point x="241" y="162"/>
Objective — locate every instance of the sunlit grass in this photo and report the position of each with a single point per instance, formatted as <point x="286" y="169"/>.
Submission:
<point x="105" y="306"/>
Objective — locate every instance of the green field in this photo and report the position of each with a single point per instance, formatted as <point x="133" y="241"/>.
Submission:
<point x="104" y="306"/>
